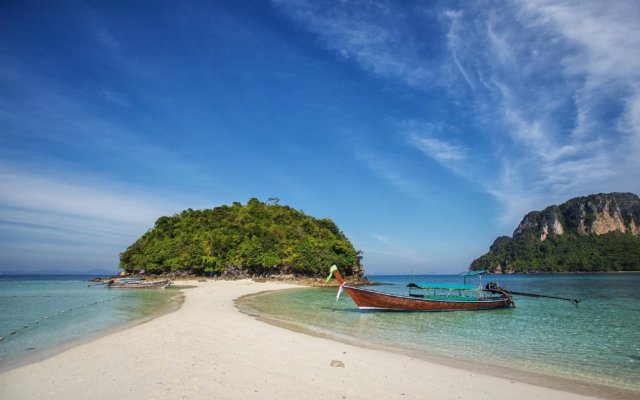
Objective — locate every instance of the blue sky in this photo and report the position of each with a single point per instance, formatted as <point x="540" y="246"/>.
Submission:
<point x="423" y="129"/>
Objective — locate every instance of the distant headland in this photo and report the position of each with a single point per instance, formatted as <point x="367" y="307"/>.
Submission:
<point x="596" y="233"/>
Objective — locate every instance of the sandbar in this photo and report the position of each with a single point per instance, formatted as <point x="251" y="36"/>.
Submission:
<point x="208" y="349"/>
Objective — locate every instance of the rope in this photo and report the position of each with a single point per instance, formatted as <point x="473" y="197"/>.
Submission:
<point x="340" y="291"/>
<point x="14" y="332"/>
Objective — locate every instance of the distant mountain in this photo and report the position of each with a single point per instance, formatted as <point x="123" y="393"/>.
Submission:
<point x="600" y="232"/>
<point x="91" y="272"/>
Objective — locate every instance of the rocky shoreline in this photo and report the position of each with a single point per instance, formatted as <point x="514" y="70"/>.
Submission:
<point x="289" y="278"/>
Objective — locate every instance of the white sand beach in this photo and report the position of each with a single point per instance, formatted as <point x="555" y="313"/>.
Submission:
<point x="208" y="349"/>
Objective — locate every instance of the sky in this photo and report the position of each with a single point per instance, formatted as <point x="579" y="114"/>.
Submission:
<point x="424" y="129"/>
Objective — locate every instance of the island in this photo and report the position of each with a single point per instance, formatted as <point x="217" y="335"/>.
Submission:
<point x="595" y="233"/>
<point x="238" y="241"/>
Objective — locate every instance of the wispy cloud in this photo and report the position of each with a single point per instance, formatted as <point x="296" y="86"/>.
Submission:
<point x="74" y="145"/>
<point x="453" y="41"/>
<point x="61" y="197"/>
<point x="372" y="34"/>
<point x="384" y="244"/>
<point x="607" y="42"/>
<point x="555" y="88"/>
<point x="388" y="170"/>
<point x="438" y="149"/>
<point x="439" y="142"/>
<point x="576" y="129"/>
<point x="72" y="214"/>
<point x="47" y="121"/>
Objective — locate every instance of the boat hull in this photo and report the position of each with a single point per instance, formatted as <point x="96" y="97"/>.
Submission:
<point x="140" y="285"/>
<point x="367" y="299"/>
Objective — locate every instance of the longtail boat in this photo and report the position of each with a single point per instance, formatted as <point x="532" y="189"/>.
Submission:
<point x="137" y="283"/>
<point x="433" y="297"/>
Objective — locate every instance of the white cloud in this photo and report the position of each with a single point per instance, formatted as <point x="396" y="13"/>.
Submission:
<point x="56" y="134"/>
<point x="436" y="142"/>
<point x="60" y="197"/>
<point x="62" y="216"/>
<point x="558" y="98"/>
<point x="388" y="170"/>
<point x="438" y="149"/>
<point x="606" y="33"/>
<point x="561" y="82"/>
<point x="374" y="35"/>
<point x="453" y="41"/>
<point x="595" y="48"/>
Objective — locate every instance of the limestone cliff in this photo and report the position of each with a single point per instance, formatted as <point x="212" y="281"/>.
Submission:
<point x="592" y="215"/>
<point x="600" y="232"/>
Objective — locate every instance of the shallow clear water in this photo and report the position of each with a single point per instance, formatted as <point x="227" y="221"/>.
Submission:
<point x="597" y="341"/>
<point x="49" y="311"/>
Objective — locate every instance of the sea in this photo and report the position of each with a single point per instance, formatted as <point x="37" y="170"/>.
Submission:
<point x="40" y="314"/>
<point x="596" y="342"/>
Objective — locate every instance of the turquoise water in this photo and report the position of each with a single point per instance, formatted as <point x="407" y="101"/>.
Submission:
<point x="597" y="341"/>
<point x="49" y="311"/>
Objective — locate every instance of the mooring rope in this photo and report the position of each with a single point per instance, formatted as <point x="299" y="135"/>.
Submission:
<point x="14" y="332"/>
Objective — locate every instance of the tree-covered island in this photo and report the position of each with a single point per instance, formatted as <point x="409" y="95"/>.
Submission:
<point x="595" y="233"/>
<point x="256" y="239"/>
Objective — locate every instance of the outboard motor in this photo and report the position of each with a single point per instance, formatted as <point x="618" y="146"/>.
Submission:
<point x="494" y="287"/>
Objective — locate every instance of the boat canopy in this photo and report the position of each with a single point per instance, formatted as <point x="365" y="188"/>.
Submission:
<point x="445" y="286"/>
<point x="474" y="272"/>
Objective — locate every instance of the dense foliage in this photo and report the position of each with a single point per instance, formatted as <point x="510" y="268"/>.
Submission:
<point x="254" y="239"/>
<point x="615" y="251"/>
<point x="598" y="233"/>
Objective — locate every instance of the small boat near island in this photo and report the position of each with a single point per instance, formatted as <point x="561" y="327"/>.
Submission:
<point x="137" y="283"/>
<point x="432" y="297"/>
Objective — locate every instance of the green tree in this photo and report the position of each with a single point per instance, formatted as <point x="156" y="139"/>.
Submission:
<point x="257" y="238"/>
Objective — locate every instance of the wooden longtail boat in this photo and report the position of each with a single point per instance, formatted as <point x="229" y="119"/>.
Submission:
<point x="435" y="298"/>
<point x="137" y="283"/>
